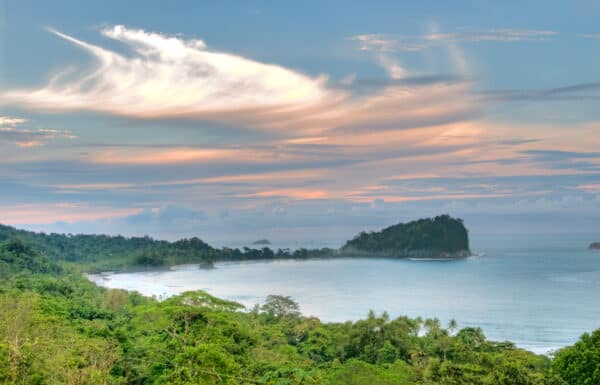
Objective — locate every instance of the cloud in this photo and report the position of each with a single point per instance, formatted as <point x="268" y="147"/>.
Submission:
<point x="558" y="159"/>
<point x="389" y="43"/>
<point x="10" y="132"/>
<point x="357" y="150"/>
<point x="579" y="91"/>
<point x="11" y="121"/>
<point x="393" y="68"/>
<point x="167" y="215"/>
<point x="497" y="35"/>
<point x="168" y="76"/>
<point x="589" y="35"/>
<point x="591" y="187"/>
<point x="153" y="156"/>
<point x="290" y="193"/>
<point x="46" y="213"/>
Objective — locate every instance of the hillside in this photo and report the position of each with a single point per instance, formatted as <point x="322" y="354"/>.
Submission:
<point x="442" y="236"/>
<point x="58" y="328"/>
<point x="105" y="252"/>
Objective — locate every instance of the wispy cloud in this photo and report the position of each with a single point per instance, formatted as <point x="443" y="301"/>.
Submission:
<point x="364" y="143"/>
<point x="580" y="91"/>
<point x="589" y="35"/>
<point x="166" y="77"/>
<point x="388" y="43"/>
<point x="11" y="121"/>
<point x="59" y="212"/>
<point x="498" y="35"/>
<point x="169" y="76"/>
<point x="268" y="153"/>
<point x="12" y="132"/>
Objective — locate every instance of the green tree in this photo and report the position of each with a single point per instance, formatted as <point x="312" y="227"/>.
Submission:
<point x="580" y="364"/>
<point x="280" y="306"/>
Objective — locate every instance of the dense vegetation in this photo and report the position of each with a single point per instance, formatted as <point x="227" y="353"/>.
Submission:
<point x="442" y="236"/>
<point x="104" y="252"/>
<point x="58" y="328"/>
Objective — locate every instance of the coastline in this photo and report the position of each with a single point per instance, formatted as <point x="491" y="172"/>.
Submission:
<point x="416" y="255"/>
<point x="247" y="295"/>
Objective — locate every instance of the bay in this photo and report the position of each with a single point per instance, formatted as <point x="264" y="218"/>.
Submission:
<point x="540" y="292"/>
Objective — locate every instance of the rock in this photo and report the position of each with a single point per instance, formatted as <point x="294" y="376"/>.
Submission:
<point x="262" y="242"/>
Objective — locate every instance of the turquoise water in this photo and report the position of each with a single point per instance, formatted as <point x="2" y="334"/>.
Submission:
<point x="540" y="293"/>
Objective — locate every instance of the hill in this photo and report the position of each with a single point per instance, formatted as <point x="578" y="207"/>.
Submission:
<point x="94" y="253"/>
<point x="56" y="327"/>
<point x="442" y="236"/>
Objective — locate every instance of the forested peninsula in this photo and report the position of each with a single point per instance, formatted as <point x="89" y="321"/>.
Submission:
<point x="439" y="237"/>
<point x="56" y="327"/>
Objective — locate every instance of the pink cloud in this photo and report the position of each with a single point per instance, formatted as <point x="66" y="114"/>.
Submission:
<point x="59" y="212"/>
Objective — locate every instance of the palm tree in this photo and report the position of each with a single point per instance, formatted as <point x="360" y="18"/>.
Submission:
<point x="452" y="326"/>
<point x="432" y="325"/>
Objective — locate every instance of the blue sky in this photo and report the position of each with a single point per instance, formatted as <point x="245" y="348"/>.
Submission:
<point x="298" y="121"/>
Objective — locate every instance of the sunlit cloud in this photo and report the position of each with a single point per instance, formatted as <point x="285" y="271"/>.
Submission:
<point x="169" y="76"/>
<point x="59" y="212"/>
<point x="10" y="121"/>
<point x="260" y="178"/>
<point x="180" y="155"/>
<point x="591" y="187"/>
<point x="152" y="156"/>
<point x="296" y="194"/>
<point x="166" y="76"/>
<point x="11" y="131"/>
<point x="401" y="136"/>
<point x="393" y="68"/>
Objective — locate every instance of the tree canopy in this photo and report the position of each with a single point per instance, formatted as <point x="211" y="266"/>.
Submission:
<point x="439" y="236"/>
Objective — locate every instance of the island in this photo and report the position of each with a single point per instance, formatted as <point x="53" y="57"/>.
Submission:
<point x="442" y="237"/>
<point x="262" y="242"/>
<point x="594" y="246"/>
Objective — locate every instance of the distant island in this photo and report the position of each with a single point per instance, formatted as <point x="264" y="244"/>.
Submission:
<point x="442" y="237"/>
<point x="431" y="238"/>
<point x="262" y="242"/>
<point x="595" y="246"/>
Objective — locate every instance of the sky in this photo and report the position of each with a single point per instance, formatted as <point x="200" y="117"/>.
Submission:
<point x="298" y="121"/>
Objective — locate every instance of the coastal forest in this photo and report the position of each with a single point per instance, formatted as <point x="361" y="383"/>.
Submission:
<point x="437" y="237"/>
<point x="442" y="236"/>
<point x="56" y="327"/>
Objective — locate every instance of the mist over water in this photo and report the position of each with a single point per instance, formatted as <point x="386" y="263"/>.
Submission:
<point x="539" y="292"/>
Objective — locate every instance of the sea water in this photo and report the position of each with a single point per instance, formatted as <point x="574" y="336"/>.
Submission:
<point x="540" y="292"/>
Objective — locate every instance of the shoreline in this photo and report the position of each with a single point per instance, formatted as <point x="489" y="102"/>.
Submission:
<point x="530" y="346"/>
<point x="417" y="257"/>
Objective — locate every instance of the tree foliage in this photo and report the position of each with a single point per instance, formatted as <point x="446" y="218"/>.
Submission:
<point x="425" y="237"/>
<point x="56" y="327"/>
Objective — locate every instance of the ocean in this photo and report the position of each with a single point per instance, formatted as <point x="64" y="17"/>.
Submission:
<point x="540" y="292"/>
